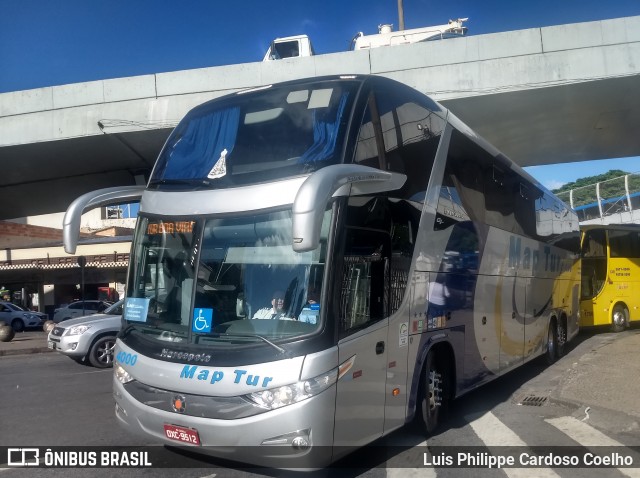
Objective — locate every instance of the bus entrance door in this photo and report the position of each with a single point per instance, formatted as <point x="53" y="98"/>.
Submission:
<point x="361" y="392"/>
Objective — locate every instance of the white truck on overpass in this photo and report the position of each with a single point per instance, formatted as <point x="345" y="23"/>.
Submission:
<point x="300" y="45"/>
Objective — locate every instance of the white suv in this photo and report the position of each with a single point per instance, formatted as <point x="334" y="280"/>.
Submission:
<point x="76" y="309"/>
<point x="91" y="338"/>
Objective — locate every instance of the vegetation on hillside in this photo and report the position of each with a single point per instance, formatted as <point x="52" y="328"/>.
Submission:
<point x="611" y="186"/>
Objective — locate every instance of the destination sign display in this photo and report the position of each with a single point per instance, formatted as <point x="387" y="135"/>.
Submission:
<point x="170" y="227"/>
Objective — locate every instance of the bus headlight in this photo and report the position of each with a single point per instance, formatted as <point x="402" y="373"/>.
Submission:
<point x="286" y="395"/>
<point x="296" y="392"/>
<point x="121" y="374"/>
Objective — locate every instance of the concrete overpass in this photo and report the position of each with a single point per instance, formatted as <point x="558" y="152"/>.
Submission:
<point x="542" y="96"/>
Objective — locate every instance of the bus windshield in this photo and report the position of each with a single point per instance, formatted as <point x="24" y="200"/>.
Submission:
<point x="213" y="281"/>
<point x="257" y="136"/>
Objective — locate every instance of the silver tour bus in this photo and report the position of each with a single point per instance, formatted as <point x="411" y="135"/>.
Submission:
<point x="319" y="262"/>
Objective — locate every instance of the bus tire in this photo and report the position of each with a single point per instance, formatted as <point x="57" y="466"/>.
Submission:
<point x="618" y="318"/>
<point x="433" y="399"/>
<point x="552" y="343"/>
<point x="561" y="343"/>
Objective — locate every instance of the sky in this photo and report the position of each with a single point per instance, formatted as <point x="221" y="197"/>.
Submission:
<point x="556" y="175"/>
<point x="47" y="43"/>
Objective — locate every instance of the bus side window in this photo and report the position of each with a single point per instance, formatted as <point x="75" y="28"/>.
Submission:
<point x="594" y="244"/>
<point x="624" y="244"/>
<point x="525" y="208"/>
<point x="406" y="218"/>
<point x="400" y="132"/>
<point x="369" y="138"/>
<point x="499" y="186"/>
<point x="364" y="282"/>
<point x="362" y="301"/>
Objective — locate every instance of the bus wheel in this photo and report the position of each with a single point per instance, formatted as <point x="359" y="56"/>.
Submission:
<point x="433" y="400"/>
<point x="552" y="343"/>
<point x="618" y="318"/>
<point x="562" y="339"/>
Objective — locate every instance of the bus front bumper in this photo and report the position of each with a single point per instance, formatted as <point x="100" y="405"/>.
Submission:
<point x="292" y="437"/>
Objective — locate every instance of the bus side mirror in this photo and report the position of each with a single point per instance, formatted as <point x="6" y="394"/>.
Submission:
<point x="336" y="180"/>
<point x="91" y="200"/>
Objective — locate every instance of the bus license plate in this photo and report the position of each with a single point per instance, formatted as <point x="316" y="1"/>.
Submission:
<point x="182" y="434"/>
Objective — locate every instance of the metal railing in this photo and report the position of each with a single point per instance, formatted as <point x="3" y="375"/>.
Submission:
<point x="615" y="200"/>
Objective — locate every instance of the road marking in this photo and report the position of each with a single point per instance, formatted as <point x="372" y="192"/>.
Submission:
<point x="411" y="473"/>
<point x="495" y="433"/>
<point x="581" y="432"/>
<point x="588" y="436"/>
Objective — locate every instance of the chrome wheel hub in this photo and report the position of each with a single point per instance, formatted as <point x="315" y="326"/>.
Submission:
<point x="619" y="319"/>
<point x="435" y="389"/>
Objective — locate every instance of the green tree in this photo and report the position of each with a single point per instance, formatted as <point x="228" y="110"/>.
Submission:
<point x="611" y="186"/>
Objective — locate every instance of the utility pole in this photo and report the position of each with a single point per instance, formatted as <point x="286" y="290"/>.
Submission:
<point x="400" y="15"/>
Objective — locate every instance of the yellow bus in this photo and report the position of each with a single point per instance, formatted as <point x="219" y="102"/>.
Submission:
<point x="610" y="276"/>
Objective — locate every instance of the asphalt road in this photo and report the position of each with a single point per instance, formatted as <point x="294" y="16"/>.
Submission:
<point x="49" y="400"/>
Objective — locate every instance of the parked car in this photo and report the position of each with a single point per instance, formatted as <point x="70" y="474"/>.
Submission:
<point x="92" y="337"/>
<point x="76" y="309"/>
<point x="20" y="319"/>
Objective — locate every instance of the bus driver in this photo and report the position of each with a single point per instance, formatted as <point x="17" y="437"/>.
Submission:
<point x="276" y="311"/>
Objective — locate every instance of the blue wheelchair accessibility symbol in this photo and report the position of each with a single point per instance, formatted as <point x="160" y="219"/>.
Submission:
<point x="202" y="320"/>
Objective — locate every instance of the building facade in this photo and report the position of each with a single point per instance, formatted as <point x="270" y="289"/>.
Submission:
<point x="37" y="274"/>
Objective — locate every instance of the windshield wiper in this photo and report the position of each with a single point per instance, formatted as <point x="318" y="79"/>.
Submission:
<point x="264" y="339"/>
